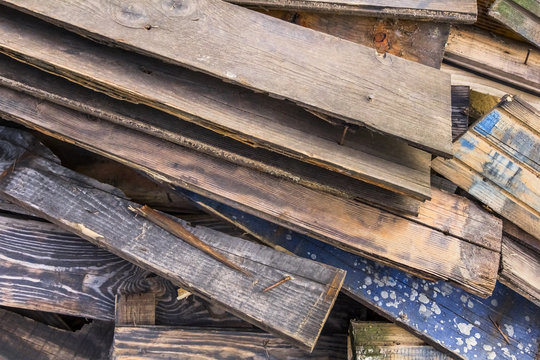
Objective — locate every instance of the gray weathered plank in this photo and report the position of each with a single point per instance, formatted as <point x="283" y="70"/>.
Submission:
<point x="102" y="217"/>
<point x="313" y="69"/>
<point x="522" y="16"/>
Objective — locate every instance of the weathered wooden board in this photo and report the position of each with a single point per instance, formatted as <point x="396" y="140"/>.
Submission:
<point x="23" y="338"/>
<point x="355" y="227"/>
<point x="252" y="118"/>
<point x="454" y="11"/>
<point x="485" y="21"/>
<point x="520" y="269"/>
<point x="155" y="342"/>
<point x="501" y="58"/>
<point x="46" y="268"/>
<point x="387" y="341"/>
<point x="460" y="110"/>
<point x="445" y="316"/>
<point x="522" y="16"/>
<point x="313" y="69"/>
<point x="498" y="161"/>
<point x="39" y="84"/>
<point x="94" y="212"/>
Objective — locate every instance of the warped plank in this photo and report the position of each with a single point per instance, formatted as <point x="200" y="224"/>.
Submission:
<point x="46" y="268"/>
<point x="313" y="69"/>
<point x="522" y="16"/>
<point x="520" y="269"/>
<point x="379" y="341"/>
<point x="443" y="315"/>
<point x="102" y="217"/>
<point x="29" y="80"/>
<point x="497" y="57"/>
<point x="455" y="11"/>
<point x="23" y="338"/>
<point x="155" y="342"/>
<point x="355" y="227"/>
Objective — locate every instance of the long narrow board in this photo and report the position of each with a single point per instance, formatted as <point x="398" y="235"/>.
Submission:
<point x="445" y="316"/>
<point x="24" y="338"/>
<point x="454" y="11"/>
<point x="46" y="268"/>
<point x="313" y="69"/>
<point x="229" y="110"/>
<point x="522" y="16"/>
<point x="159" y="342"/>
<point x="78" y="204"/>
<point x="354" y="227"/>
<point x="498" y="162"/>
<point x="501" y="58"/>
<point x="39" y="84"/>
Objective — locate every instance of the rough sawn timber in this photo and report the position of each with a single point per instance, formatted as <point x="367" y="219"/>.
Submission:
<point x="353" y="226"/>
<point x="522" y="16"/>
<point x="315" y="70"/>
<point x="99" y="214"/>
<point x="442" y="314"/>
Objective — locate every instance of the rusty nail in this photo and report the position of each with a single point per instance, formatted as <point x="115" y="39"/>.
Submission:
<point x="342" y="140"/>
<point x="527" y="57"/>
<point x="285" y="279"/>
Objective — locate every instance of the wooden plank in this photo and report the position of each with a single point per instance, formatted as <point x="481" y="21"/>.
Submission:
<point x="444" y="315"/>
<point x="153" y="342"/>
<point x="23" y="338"/>
<point x="252" y="118"/>
<point x="378" y="340"/>
<point x="520" y="269"/>
<point x="39" y="84"/>
<point x="135" y="309"/>
<point x="460" y="110"/>
<point x="103" y="218"/>
<point x="353" y="226"/>
<point x="487" y="22"/>
<point x="512" y="230"/>
<point x="495" y="56"/>
<point x="455" y="11"/>
<point x="46" y="268"/>
<point x="293" y="62"/>
<point x="522" y="16"/>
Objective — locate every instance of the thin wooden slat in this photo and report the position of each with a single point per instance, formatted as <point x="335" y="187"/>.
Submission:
<point x="252" y="118"/>
<point x="152" y="342"/>
<point x="353" y="226"/>
<point x="495" y="56"/>
<point x="23" y="338"/>
<point x="460" y="110"/>
<point x="522" y="16"/>
<point x="39" y="84"/>
<point x="69" y="199"/>
<point x="378" y="341"/>
<point x="443" y="315"/>
<point x="310" y="68"/>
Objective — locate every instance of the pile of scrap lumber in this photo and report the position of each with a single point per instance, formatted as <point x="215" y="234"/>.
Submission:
<point x="203" y="179"/>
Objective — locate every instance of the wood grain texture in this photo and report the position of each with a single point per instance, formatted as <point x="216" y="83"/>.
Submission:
<point x="39" y="84"/>
<point x="153" y="342"/>
<point x="454" y="11"/>
<point x="23" y="338"/>
<point x="355" y="227"/>
<point x="378" y="341"/>
<point x="442" y="314"/>
<point x="135" y="309"/>
<point x="495" y="56"/>
<point x="522" y="16"/>
<point x="46" y="268"/>
<point x="460" y="110"/>
<point x="520" y="269"/>
<point x="313" y="69"/>
<point x="252" y="118"/>
<point x="103" y="218"/>
<point x="485" y="21"/>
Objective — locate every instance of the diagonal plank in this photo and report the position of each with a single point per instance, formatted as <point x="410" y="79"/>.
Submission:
<point x="522" y="16"/>
<point x="355" y="227"/>
<point x="103" y="218"/>
<point x="320" y="72"/>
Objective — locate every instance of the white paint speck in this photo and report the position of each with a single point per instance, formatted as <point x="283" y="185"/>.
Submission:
<point x="435" y="308"/>
<point x="423" y="298"/>
<point x="470" y="304"/>
<point x="491" y="355"/>
<point x="230" y="75"/>
<point x="393" y="295"/>
<point x="509" y="330"/>
<point x="477" y="335"/>
<point x="376" y="298"/>
<point x="384" y="295"/>
<point x="470" y="341"/>
<point x="459" y="341"/>
<point x="288" y="237"/>
<point x="368" y="281"/>
<point x="465" y="328"/>
<point x="463" y="298"/>
<point x="313" y="256"/>
<point x="527" y="318"/>
<point x="494" y="302"/>
<point x="487" y="347"/>
<point x="476" y="322"/>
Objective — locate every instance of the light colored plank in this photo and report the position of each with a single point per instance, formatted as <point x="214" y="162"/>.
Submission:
<point x="135" y="309"/>
<point x="522" y="16"/>
<point x="312" y="69"/>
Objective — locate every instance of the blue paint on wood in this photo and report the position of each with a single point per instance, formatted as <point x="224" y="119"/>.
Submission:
<point x="445" y="316"/>
<point x="486" y="125"/>
<point x="466" y="143"/>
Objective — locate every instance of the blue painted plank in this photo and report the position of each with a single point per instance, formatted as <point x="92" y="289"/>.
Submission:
<point x="445" y="316"/>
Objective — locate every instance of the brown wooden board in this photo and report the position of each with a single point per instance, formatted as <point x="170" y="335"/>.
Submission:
<point x="522" y="16"/>
<point x="23" y="338"/>
<point x="39" y="84"/>
<point x="460" y="110"/>
<point x="355" y="227"/>
<point x="313" y="69"/>
<point x="135" y="309"/>
<point x="501" y="58"/>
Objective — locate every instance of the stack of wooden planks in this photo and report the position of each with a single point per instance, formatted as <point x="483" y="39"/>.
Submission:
<point x="173" y="186"/>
